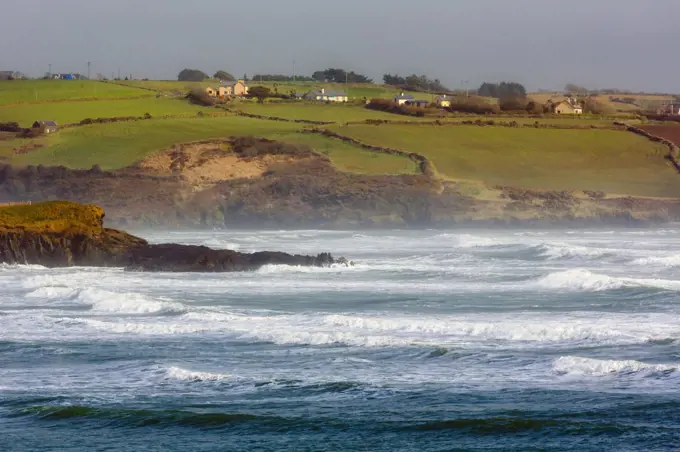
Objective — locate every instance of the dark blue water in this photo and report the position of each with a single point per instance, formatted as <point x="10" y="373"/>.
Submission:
<point x="436" y="340"/>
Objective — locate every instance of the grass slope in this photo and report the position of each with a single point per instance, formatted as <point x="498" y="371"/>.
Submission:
<point x="612" y="161"/>
<point x="16" y="91"/>
<point x="315" y="112"/>
<point x="53" y="216"/>
<point x="73" y="112"/>
<point x="117" y="145"/>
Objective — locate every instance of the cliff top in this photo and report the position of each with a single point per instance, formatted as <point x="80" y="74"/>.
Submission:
<point x="53" y="216"/>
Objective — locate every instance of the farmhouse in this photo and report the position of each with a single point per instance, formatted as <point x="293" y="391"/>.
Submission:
<point x="238" y="88"/>
<point x="210" y="92"/>
<point x="443" y="101"/>
<point x="323" y="95"/>
<point x="46" y="126"/>
<point x="402" y="98"/>
<point x="567" y="107"/>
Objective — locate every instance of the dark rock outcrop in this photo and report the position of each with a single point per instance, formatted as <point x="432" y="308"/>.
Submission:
<point x="78" y="239"/>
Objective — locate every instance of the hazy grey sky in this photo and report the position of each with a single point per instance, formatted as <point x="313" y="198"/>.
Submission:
<point x="628" y="44"/>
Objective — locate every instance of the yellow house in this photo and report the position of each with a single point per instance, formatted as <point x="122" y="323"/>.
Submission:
<point x="443" y="101"/>
<point x="211" y="92"/>
<point x="567" y="108"/>
<point x="238" y="88"/>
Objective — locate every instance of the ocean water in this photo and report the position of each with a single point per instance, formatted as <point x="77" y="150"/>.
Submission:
<point x="434" y="341"/>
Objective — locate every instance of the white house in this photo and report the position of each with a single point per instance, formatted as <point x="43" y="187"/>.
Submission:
<point x="324" y="95"/>
<point x="402" y="98"/>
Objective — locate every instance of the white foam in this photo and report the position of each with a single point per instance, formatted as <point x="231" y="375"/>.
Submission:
<point x="574" y="365"/>
<point x="277" y="268"/>
<point x="567" y="251"/>
<point x="221" y="244"/>
<point x="584" y="280"/>
<point x="104" y="301"/>
<point x="664" y="261"/>
<point x="580" y="280"/>
<point x="178" y="373"/>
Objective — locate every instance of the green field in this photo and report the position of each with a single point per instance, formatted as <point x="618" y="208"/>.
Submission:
<point x="16" y="91"/>
<point x="121" y="144"/>
<point x="73" y="112"/>
<point x="612" y="161"/>
<point x="339" y="113"/>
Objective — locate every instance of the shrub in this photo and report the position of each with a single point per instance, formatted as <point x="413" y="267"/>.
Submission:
<point x="473" y="105"/>
<point x="392" y="107"/>
<point x="9" y="127"/>
<point x="513" y="103"/>
<point x="198" y="96"/>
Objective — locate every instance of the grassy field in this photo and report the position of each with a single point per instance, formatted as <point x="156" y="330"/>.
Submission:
<point x="72" y="112"/>
<point x="117" y="145"/>
<point x="315" y="112"/>
<point x="612" y="161"/>
<point x="15" y="91"/>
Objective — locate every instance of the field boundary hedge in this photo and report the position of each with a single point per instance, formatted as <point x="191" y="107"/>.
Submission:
<point x="673" y="155"/>
<point x="425" y="166"/>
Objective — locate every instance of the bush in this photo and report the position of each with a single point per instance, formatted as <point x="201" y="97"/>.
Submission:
<point x="198" y="96"/>
<point x="9" y="127"/>
<point x="392" y="107"/>
<point x="513" y="103"/>
<point x="473" y="105"/>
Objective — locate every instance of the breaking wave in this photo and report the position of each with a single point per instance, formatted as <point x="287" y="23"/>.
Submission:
<point x="584" y="280"/>
<point x="177" y="373"/>
<point x="574" y="365"/>
<point x="104" y="301"/>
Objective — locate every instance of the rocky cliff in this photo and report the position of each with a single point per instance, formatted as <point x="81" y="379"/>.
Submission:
<point x="62" y="234"/>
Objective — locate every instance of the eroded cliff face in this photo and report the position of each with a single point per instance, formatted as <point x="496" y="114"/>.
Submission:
<point x="63" y="234"/>
<point x="270" y="184"/>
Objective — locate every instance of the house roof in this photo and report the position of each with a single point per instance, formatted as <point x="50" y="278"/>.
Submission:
<point x="48" y="123"/>
<point x="404" y="97"/>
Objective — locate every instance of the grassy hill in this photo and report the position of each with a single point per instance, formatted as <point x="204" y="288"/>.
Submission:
<point x="608" y="160"/>
<point x="116" y="145"/>
<point x="17" y="91"/>
<point x="73" y="112"/>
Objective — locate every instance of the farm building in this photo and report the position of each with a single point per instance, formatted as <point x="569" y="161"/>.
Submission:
<point x="567" y="107"/>
<point x="238" y="88"/>
<point x="210" y="92"/>
<point x="324" y="95"/>
<point x="10" y="75"/>
<point x="402" y="98"/>
<point x="443" y="101"/>
<point x="46" y="126"/>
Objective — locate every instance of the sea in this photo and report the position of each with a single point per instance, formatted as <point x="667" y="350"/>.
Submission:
<point x="436" y="340"/>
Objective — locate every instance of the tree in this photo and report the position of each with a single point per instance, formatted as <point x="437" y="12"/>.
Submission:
<point x="260" y="93"/>
<point x="333" y="75"/>
<point x="575" y="89"/>
<point x="192" y="75"/>
<point x="200" y="97"/>
<point x="224" y="75"/>
<point x="513" y="103"/>
<point x="502" y="90"/>
<point x="595" y="107"/>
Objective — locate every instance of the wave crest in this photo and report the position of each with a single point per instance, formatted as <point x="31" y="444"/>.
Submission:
<point x="574" y="365"/>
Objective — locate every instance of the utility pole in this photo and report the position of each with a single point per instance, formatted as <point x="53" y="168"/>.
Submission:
<point x="119" y="73"/>
<point x="294" y="71"/>
<point x="50" y="73"/>
<point x="88" y="70"/>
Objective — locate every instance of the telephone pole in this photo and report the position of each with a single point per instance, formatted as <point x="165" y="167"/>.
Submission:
<point x="88" y="70"/>
<point x="50" y="73"/>
<point x="294" y="71"/>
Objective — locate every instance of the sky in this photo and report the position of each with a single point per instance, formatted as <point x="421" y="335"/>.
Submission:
<point x="544" y="44"/>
